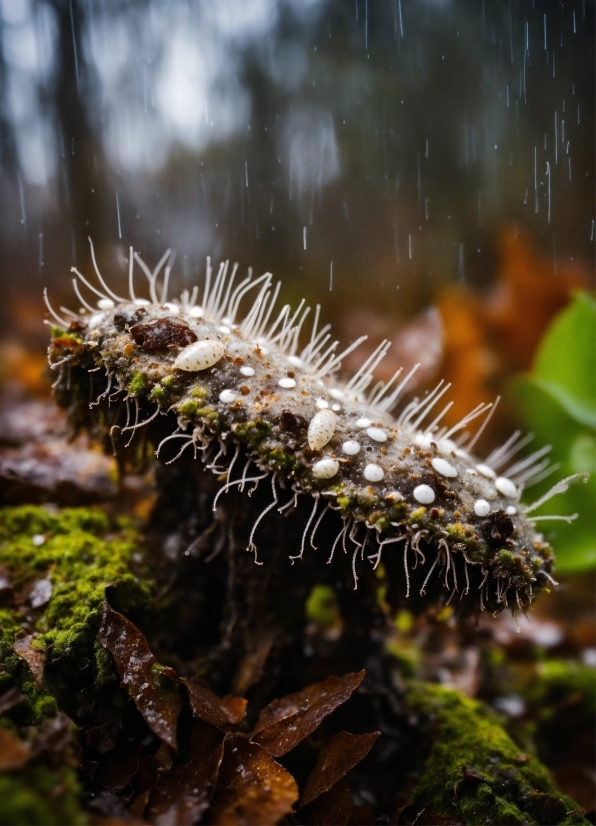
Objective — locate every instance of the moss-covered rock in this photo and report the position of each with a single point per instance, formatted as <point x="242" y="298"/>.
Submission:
<point x="475" y="771"/>
<point x="56" y="566"/>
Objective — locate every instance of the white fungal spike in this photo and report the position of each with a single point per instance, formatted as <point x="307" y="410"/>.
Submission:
<point x="287" y="383"/>
<point x="424" y="494"/>
<point x="322" y="404"/>
<point x="444" y="467"/>
<point x="511" y="510"/>
<point x="325" y="469"/>
<point x="373" y="473"/>
<point x="247" y="371"/>
<point x="506" y="487"/>
<point x="321" y="429"/>
<point x="481" y="507"/>
<point x="199" y="356"/>
<point x="351" y="448"/>
<point x="377" y="434"/>
<point x="105" y="304"/>
<point x="363" y="422"/>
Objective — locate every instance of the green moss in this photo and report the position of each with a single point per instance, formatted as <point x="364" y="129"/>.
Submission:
<point x="82" y="552"/>
<point x="322" y="608"/>
<point x="416" y="515"/>
<point x="192" y="410"/>
<point x="502" y="786"/>
<point x="138" y="384"/>
<point x="158" y="394"/>
<point x="40" y="795"/>
<point x="253" y="433"/>
<point x="282" y="460"/>
<point x="199" y="391"/>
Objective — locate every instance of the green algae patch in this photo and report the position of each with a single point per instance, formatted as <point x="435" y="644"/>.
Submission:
<point x="41" y="795"/>
<point x="475" y="771"/>
<point x="58" y="564"/>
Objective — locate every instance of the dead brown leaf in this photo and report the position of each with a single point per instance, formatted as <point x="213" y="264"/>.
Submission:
<point x="34" y="659"/>
<point x="14" y="754"/>
<point x="219" y="711"/>
<point x="182" y="795"/>
<point x="155" y="694"/>
<point x="338" y="755"/>
<point x="286" y="722"/>
<point x="252" y="787"/>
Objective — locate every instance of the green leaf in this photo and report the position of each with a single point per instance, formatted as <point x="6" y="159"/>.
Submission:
<point x="566" y="362"/>
<point x="573" y="446"/>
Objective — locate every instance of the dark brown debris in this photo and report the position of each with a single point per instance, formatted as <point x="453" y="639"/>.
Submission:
<point x="333" y="807"/>
<point x="162" y="333"/>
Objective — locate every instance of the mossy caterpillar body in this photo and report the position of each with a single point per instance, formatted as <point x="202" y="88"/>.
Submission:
<point x="255" y="403"/>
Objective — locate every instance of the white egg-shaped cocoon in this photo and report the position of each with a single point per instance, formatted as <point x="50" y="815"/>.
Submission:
<point x="325" y="469"/>
<point x="444" y="467"/>
<point x="424" y="494"/>
<point x="505" y="486"/>
<point x="199" y="356"/>
<point x="321" y="428"/>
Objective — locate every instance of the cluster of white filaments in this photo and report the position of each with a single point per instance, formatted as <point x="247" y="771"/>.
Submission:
<point x="304" y="378"/>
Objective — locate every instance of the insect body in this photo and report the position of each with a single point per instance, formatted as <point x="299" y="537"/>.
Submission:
<point x="246" y="387"/>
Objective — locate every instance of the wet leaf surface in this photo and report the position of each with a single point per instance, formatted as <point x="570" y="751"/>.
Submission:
<point x="14" y="754"/>
<point x="285" y="722"/>
<point x="155" y="695"/>
<point x="34" y="659"/>
<point x="181" y="796"/>
<point x="338" y="755"/>
<point x="252" y="787"/>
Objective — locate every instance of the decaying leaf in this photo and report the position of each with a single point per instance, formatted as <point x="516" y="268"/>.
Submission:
<point x="285" y="722"/>
<point x="252" y="787"/>
<point x="14" y="754"/>
<point x="35" y="659"/>
<point x="182" y="795"/>
<point x="338" y="755"/>
<point x="219" y="711"/>
<point x="155" y="694"/>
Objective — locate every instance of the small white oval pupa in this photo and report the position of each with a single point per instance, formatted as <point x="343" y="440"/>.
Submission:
<point x="325" y="469"/>
<point x="321" y="428"/>
<point x="199" y="356"/>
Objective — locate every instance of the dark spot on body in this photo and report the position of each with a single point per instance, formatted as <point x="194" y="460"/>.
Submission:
<point x="162" y="333"/>
<point x="497" y="527"/>
<point x="292" y="422"/>
<point x="244" y="389"/>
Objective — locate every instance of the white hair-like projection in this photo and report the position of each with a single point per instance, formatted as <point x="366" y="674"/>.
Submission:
<point x="257" y="397"/>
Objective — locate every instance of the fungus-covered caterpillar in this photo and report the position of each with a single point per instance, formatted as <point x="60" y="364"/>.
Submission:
<point x="256" y="401"/>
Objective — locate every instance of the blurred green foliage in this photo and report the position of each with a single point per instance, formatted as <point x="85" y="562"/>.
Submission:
<point x="558" y="404"/>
